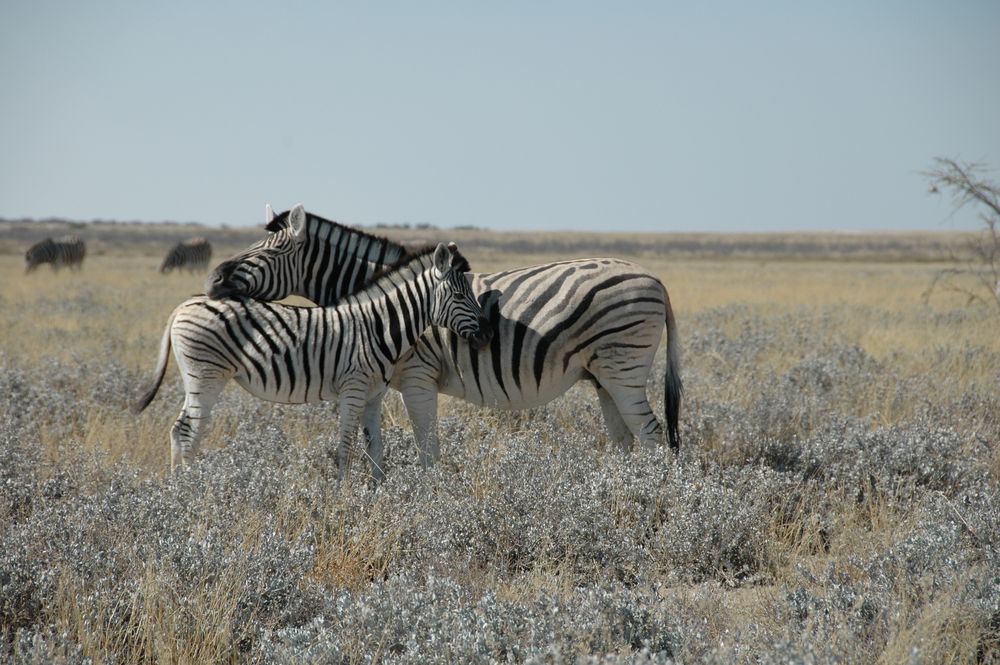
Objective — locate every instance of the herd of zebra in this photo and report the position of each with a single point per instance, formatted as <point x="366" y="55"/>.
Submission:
<point x="193" y="255"/>
<point x="421" y="323"/>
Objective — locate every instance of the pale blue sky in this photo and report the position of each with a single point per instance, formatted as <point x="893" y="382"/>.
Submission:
<point x="513" y="115"/>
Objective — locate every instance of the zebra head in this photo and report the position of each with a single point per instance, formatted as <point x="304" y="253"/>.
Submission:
<point x="455" y="306"/>
<point x="38" y="253"/>
<point x="268" y="269"/>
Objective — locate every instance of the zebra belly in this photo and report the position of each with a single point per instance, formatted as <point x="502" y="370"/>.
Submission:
<point x="487" y="388"/>
<point x="480" y="377"/>
<point x="285" y="393"/>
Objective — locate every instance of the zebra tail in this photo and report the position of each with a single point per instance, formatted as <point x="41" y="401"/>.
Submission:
<point x="161" y="370"/>
<point x="672" y="385"/>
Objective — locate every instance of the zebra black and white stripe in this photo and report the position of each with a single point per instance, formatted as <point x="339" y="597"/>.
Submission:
<point x="304" y="255"/>
<point x="597" y="319"/>
<point x="64" y="251"/>
<point x="192" y="255"/>
<point x="295" y="355"/>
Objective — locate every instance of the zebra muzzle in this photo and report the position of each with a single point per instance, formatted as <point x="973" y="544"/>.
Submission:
<point x="483" y="335"/>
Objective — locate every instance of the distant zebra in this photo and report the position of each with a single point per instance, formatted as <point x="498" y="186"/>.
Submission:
<point x="193" y="255"/>
<point x="64" y="251"/>
<point x="599" y="320"/>
<point x="294" y="355"/>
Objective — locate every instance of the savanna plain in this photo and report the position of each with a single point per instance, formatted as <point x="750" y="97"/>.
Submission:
<point x="834" y="500"/>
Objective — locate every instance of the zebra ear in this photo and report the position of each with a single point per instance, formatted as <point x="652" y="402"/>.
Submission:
<point x="268" y="214"/>
<point x="297" y="220"/>
<point x="442" y="258"/>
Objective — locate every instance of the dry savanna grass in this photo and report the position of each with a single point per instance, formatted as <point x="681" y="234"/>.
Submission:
<point x="120" y="305"/>
<point x="835" y="499"/>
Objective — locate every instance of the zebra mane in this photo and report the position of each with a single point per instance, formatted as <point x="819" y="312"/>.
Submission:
<point x="280" y="222"/>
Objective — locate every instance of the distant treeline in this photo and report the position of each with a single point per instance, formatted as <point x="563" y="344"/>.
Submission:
<point x="424" y="226"/>
<point x="106" y="236"/>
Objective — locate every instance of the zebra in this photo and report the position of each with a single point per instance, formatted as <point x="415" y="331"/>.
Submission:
<point x="325" y="260"/>
<point x="294" y="355"/>
<point x="599" y="320"/>
<point x="64" y="251"/>
<point x="193" y="254"/>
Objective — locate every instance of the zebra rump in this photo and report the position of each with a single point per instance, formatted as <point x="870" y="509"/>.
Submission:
<point x="64" y="251"/>
<point x="193" y="254"/>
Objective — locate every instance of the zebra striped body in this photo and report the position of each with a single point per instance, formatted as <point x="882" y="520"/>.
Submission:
<point x="192" y="255"/>
<point x="306" y="354"/>
<point x="595" y="319"/>
<point x="64" y="251"/>
<point x="598" y="319"/>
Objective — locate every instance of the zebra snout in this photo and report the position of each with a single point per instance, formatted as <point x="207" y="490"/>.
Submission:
<point x="218" y="285"/>
<point x="483" y="334"/>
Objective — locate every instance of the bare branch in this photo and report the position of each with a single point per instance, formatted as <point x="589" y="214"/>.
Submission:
<point x="966" y="185"/>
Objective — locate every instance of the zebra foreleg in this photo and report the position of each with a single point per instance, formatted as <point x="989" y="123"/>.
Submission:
<point x="352" y="405"/>
<point x="421" y="399"/>
<point x="372" y="425"/>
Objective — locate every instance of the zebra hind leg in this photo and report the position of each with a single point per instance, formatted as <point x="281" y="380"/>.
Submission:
<point x="191" y="425"/>
<point x="634" y="410"/>
<point x="618" y="430"/>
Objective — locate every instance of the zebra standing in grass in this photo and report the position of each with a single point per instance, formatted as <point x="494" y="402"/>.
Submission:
<point x="193" y="254"/>
<point x="294" y="355"/>
<point x="599" y="320"/>
<point x="64" y="251"/>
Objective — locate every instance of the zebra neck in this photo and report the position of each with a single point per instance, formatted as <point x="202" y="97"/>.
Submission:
<point x="338" y="260"/>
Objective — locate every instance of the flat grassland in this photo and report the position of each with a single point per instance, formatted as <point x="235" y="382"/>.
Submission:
<point x="835" y="499"/>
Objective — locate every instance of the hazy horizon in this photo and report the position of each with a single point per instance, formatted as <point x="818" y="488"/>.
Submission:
<point x="566" y="117"/>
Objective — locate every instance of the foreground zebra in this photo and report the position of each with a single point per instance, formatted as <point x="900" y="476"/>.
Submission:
<point x="307" y="354"/>
<point x="193" y="254"/>
<point x="64" y="251"/>
<point x="593" y="319"/>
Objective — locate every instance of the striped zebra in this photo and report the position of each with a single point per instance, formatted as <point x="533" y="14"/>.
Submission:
<point x="193" y="255"/>
<point x="599" y="320"/>
<point x="294" y="355"/>
<point x="304" y="255"/>
<point x="64" y="251"/>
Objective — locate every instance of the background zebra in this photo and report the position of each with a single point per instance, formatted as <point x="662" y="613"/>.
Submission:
<point x="64" y="251"/>
<point x="294" y="355"/>
<point x="595" y="319"/>
<point x="193" y="254"/>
